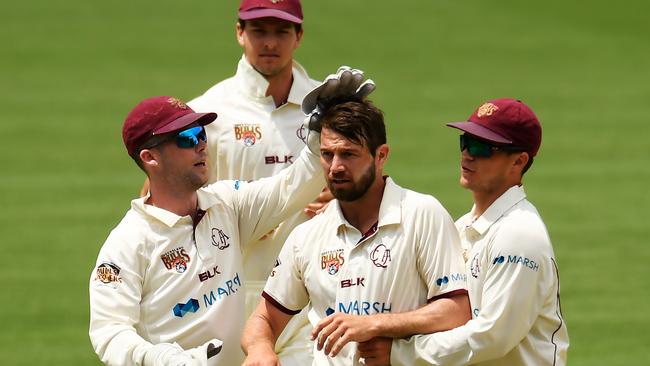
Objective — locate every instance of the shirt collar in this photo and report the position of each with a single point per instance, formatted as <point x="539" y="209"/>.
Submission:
<point x="168" y="218"/>
<point x="255" y="84"/>
<point x="390" y="209"/>
<point x="205" y="201"/>
<point x="498" y="208"/>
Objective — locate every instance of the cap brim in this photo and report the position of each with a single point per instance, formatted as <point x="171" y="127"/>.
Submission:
<point x="186" y="120"/>
<point x="268" y="13"/>
<point x="479" y="131"/>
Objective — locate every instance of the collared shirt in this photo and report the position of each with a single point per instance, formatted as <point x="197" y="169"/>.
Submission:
<point x="253" y="138"/>
<point x="161" y="279"/>
<point x="413" y="256"/>
<point x="514" y="291"/>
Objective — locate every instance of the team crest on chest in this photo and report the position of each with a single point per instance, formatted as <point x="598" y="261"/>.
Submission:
<point x="176" y="259"/>
<point x="247" y="133"/>
<point x="332" y="260"/>
<point x="220" y="239"/>
<point x="380" y="256"/>
<point x="475" y="269"/>
<point x="302" y="133"/>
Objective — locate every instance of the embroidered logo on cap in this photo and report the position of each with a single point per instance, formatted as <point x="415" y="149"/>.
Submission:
<point x="177" y="103"/>
<point x="486" y="109"/>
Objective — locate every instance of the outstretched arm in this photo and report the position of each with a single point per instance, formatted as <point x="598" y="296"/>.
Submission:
<point x="338" y="329"/>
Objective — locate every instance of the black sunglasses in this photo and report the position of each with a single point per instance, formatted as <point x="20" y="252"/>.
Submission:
<point x="480" y="148"/>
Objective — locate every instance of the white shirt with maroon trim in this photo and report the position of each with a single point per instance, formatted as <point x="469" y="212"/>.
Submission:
<point x="414" y="255"/>
<point x="514" y="290"/>
<point x="159" y="278"/>
<point x="253" y="139"/>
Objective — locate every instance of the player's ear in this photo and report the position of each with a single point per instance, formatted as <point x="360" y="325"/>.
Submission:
<point x="299" y="36"/>
<point x="149" y="158"/>
<point x="239" y="33"/>
<point x="520" y="161"/>
<point x="381" y="154"/>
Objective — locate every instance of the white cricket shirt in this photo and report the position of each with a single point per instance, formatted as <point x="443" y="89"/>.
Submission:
<point x="514" y="291"/>
<point x="413" y="255"/>
<point x="160" y="278"/>
<point x="253" y="139"/>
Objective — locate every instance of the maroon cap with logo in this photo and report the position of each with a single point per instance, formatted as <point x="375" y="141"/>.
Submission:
<point x="505" y="121"/>
<point x="157" y="116"/>
<point x="289" y="10"/>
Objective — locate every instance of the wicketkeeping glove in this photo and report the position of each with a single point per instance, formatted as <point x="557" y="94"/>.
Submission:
<point x="171" y="354"/>
<point x="346" y="85"/>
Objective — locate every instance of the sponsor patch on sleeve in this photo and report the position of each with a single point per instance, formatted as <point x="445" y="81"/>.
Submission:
<point x="108" y="274"/>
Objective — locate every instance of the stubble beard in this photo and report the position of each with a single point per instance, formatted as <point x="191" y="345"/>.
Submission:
<point x="358" y="189"/>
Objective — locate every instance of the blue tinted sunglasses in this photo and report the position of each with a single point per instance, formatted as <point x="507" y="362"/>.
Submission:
<point x="479" y="148"/>
<point x="190" y="138"/>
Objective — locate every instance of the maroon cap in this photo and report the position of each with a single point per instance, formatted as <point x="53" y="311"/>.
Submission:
<point x="505" y="121"/>
<point x="156" y="116"/>
<point x="289" y="10"/>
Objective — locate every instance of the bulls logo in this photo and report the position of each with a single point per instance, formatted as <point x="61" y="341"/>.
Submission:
<point x="380" y="256"/>
<point x="248" y="134"/>
<point x="108" y="273"/>
<point x="332" y="260"/>
<point x="176" y="259"/>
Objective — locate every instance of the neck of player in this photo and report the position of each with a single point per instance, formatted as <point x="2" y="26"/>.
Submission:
<point x="280" y="86"/>
<point x="363" y="213"/>
<point x="178" y="201"/>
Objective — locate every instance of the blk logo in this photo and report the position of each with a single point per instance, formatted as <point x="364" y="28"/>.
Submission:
<point x="192" y="306"/>
<point x="274" y="159"/>
<point x="353" y="282"/>
<point x="204" y="276"/>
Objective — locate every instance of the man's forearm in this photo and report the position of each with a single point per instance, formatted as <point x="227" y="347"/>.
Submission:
<point x="439" y="315"/>
<point x="258" y="334"/>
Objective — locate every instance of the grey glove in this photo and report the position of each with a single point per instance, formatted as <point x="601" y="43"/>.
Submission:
<point x="346" y="85"/>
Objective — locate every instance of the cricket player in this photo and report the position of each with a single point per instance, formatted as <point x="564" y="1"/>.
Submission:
<point x="166" y="288"/>
<point x="260" y="132"/>
<point x="377" y="249"/>
<point x="513" y="278"/>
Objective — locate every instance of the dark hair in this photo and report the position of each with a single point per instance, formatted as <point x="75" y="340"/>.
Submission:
<point x="296" y="26"/>
<point x="358" y="121"/>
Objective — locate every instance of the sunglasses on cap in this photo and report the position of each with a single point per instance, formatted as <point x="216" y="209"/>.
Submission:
<point x="480" y="148"/>
<point x="185" y="139"/>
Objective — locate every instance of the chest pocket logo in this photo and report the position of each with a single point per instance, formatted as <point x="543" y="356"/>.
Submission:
<point x="248" y="134"/>
<point x="475" y="269"/>
<point x="220" y="239"/>
<point x="380" y="256"/>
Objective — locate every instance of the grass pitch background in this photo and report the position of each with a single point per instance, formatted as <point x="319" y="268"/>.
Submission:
<point x="71" y="70"/>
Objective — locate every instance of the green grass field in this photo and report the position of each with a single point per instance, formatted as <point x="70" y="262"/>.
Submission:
<point x="71" y="70"/>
